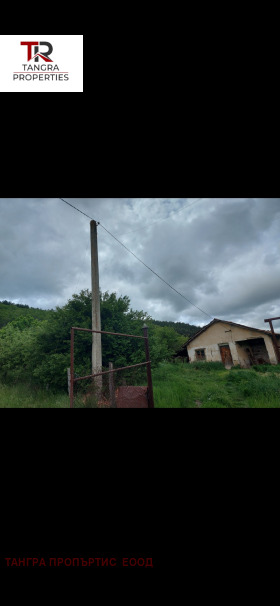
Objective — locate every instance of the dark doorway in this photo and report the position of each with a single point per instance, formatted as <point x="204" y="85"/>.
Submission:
<point x="226" y="355"/>
<point x="255" y="351"/>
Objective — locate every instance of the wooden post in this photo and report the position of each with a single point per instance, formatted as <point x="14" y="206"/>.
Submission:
<point x="274" y="339"/>
<point x="111" y="387"/>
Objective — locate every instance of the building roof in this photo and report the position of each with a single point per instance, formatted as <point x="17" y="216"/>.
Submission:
<point x="267" y="332"/>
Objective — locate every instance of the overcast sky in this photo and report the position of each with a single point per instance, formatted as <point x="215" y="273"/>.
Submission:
<point x="223" y="254"/>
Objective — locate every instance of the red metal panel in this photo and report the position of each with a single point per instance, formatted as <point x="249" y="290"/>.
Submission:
<point x="131" y="396"/>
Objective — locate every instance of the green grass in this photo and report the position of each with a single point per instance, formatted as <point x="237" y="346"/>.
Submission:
<point x="23" y="396"/>
<point x="198" y="385"/>
<point x="210" y="385"/>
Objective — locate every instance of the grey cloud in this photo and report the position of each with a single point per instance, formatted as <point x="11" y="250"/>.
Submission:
<point x="222" y="254"/>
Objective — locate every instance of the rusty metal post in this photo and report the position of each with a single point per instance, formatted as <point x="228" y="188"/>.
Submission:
<point x="275" y="344"/>
<point x="72" y="369"/>
<point x="149" y="373"/>
<point x="111" y="387"/>
<point x="69" y="380"/>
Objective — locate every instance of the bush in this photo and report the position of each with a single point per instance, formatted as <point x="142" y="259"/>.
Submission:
<point x="53" y="371"/>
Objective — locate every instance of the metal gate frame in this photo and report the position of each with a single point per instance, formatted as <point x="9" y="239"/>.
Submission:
<point x="103" y="332"/>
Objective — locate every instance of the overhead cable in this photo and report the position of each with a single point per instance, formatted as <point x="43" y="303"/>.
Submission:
<point x="140" y="260"/>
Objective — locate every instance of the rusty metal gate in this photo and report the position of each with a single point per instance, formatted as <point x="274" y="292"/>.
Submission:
<point x="132" y="396"/>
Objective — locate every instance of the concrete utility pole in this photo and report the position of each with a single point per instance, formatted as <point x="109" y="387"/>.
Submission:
<point x="96" y="321"/>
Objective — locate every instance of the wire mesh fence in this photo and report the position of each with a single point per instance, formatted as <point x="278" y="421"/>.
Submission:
<point x="120" y="387"/>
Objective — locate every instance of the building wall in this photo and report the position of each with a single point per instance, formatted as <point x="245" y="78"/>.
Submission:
<point x="270" y="349"/>
<point x="242" y="356"/>
<point x="222" y="333"/>
<point x="234" y="353"/>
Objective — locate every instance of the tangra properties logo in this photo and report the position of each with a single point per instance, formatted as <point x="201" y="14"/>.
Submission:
<point x="34" y="70"/>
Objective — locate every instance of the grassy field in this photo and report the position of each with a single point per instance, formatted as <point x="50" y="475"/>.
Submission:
<point x="201" y="385"/>
<point x="22" y="396"/>
<point x="210" y="385"/>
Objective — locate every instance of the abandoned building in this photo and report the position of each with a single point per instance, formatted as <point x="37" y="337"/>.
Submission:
<point x="232" y="344"/>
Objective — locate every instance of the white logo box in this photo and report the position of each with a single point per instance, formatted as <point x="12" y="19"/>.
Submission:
<point x="67" y="55"/>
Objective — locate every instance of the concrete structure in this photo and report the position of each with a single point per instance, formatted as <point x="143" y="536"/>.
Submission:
<point x="96" y="321"/>
<point x="232" y="344"/>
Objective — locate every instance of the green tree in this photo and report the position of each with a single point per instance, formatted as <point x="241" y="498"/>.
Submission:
<point x="18" y="344"/>
<point x="39" y="351"/>
<point x="165" y="342"/>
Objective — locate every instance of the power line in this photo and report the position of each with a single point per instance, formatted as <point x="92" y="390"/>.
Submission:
<point x="80" y="211"/>
<point x="140" y="260"/>
<point x="154" y="272"/>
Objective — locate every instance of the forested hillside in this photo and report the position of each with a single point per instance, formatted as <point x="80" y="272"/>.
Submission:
<point x="188" y="330"/>
<point x="12" y="311"/>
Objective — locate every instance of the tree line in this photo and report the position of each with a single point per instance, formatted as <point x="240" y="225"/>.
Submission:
<point x="16" y="304"/>
<point x="182" y="328"/>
